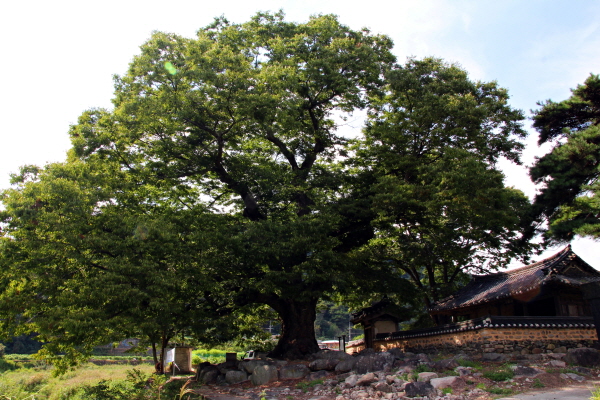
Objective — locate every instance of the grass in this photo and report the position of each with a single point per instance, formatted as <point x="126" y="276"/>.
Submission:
<point x="308" y="385"/>
<point x="497" y="390"/>
<point x="538" y="384"/>
<point x="469" y="364"/>
<point x="23" y="383"/>
<point x="447" y="390"/>
<point x="213" y="356"/>
<point x="595" y="394"/>
<point x="503" y="373"/>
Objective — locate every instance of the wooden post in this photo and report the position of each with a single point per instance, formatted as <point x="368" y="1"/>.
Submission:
<point x="591" y="293"/>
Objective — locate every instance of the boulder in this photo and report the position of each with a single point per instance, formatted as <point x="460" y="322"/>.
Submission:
<point x="346" y="365"/>
<point x="382" y="387"/>
<point x="209" y="375"/>
<point x="366" y="379"/>
<point x="263" y="374"/>
<point x="326" y="364"/>
<point x="317" y="375"/>
<point x="575" y="377"/>
<point x="330" y="355"/>
<point x="426" y="376"/>
<point x="419" y="389"/>
<point x="584" y="356"/>
<point x="232" y="377"/>
<point x="557" y="364"/>
<point x="493" y="357"/>
<point x="521" y="370"/>
<point x="463" y="371"/>
<point x="249" y="366"/>
<point x="293" y="371"/>
<point x="374" y="362"/>
<point x="445" y="382"/>
<point x="443" y="365"/>
<point x="351" y="381"/>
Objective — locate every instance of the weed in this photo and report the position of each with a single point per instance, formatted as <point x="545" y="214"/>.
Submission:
<point x="497" y="390"/>
<point x="538" y="384"/>
<point x="503" y="373"/>
<point x="447" y="390"/>
<point x="469" y="364"/>
<point x="595" y="394"/>
<point x="480" y="385"/>
<point x="306" y="385"/>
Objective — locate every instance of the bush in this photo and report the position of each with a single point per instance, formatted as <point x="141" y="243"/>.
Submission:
<point x="499" y="375"/>
<point x="2" y="349"/>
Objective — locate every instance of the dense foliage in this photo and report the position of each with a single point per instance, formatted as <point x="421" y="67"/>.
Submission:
<point x="569" y="173"/>
<point x="220" y="189"/>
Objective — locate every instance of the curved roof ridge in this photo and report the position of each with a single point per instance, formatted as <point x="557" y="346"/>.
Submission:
<point x="526" y="268"/>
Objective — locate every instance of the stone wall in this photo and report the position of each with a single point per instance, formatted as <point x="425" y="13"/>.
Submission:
<point x="490" y="340"/>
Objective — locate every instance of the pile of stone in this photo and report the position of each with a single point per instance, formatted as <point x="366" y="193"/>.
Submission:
<point x="387" y="375"/>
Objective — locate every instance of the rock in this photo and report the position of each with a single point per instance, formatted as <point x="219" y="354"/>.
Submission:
<point x="447" y="381"/>
<point x="556" y="356"/>
<point x="232" y="377"/>
<point x="575" y="377"/>
<point x="249" y="366"/>
<point x="561" y="349"/>
<point x="426" y="376"/>
<point x="421" y="389"/>
<point x="493" y="357"/>
<point x="520" y="370"/>
<point x="443" y="365"/>
<point x="326" y="364"/>
<point x="366" y="379"/>
<point x="396" y="352"/>
<point x="423" y="357"/>
<point x="293" y="371"/>
<point x="583" y="356"/>
<point x="208" y="374"/>
<point x="583" y="370"/>
<point x="557" y="364"/>
<point x="317" y="375"/>
<point x="331" y="355"/>
<point x="374" y="362"/>
<point x="263" y="374"/>
<point x="405" y="363"/>
<point x="463" y="371"/>
<point x="382" y="387"/>
<point x="346" y="365"/>
<point x="351" y="381"/>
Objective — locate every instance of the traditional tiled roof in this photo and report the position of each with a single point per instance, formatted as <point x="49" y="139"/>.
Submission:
<point x="486" y="288"/>
<point x="380" y="307"/>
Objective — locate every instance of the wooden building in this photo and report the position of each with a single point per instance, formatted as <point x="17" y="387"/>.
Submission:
<point x="548" y="288"/>
<point x="381" y="317"/>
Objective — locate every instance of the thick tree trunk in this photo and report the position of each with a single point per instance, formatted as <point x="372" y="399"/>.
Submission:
<point x="297" y="338"/>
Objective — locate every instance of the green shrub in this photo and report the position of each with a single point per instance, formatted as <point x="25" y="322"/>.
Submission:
<point x="2" y="349"/>
<point x="497" y="390"/>
<point x="538" y="384"/>
<point x="6" y="365"/>
<point x="499" y="375"/>
<point x="469" y="364"/>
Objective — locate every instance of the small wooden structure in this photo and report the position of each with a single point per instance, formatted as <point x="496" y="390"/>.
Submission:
<point x="381" y="317"/>
<point x="548" y="288"/>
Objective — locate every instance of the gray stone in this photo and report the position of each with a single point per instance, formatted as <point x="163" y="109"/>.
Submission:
<point x="232" y="377"/>
<point x="320" y="364"/>
<point x="263" y="374"/>
<point x="584" y="356"/>
<point x="293" y="371"/>
<point x="317" y="375"/>
<point x="331" y="355"/>
<point x="366" y="379"/>
<point x="423" y="357"/>
<point x="583" y="370"/>
<point x="396" y="352"/>
<point x="346" y="365"/>
<point x="249" y="366"/>
<point x="445" y="382"/>
<point x="520" y="370"/>
<point x="443" y="365"/>
<point x="374" y="362"/>
<point x="493" y="357"/>
<point x="426" y="376"/>
<point x="208" y="374"/>
<point x="463" y="371"/>
<point x="575" y="377"/>
<point x="351" y="380"/>
<point x="420" y="389"/>
<point x="382" y="387"/>
<point x="557" y="364"/>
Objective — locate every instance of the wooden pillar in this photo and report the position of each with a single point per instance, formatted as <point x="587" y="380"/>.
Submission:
<point x="591" y="293"/>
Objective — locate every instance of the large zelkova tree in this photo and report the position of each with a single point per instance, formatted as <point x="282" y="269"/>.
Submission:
<point x="568" y="199"/>
<point x="442" y="209"/>
<point x="244" y="118"/>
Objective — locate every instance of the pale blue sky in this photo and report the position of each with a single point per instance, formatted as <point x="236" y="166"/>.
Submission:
<point x="58" y="57"/>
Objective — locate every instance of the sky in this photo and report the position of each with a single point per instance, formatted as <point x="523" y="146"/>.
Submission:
<point x="59" y="57"/>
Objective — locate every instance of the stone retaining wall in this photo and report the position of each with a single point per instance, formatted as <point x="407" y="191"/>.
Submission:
<point x="490" y="340"/>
